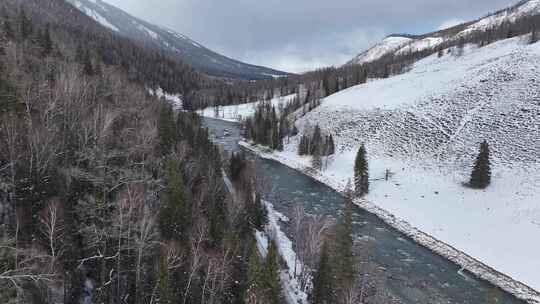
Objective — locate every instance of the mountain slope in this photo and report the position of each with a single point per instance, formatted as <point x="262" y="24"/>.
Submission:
<point x="425" y="126"/>
<point x="403" y="44"/>
<point x="181" y="46"/>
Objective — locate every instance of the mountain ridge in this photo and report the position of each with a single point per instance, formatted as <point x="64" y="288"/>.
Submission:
<point x="415" y="43"/>
<point x="179" y="45"/>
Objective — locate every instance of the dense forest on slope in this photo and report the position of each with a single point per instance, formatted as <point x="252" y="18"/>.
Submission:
<point x="106" y="195"/>
<point x="74" y="30"/>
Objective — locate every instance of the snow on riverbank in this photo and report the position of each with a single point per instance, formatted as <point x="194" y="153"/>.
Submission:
<point x="291" y="286"/>
<point x="454" y="214"/>
<point x="236" y="113"/>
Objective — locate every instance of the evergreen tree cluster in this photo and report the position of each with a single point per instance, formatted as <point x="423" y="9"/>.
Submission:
<point x="264" y="285"/>
<point x="134" y="189"/>
<point x="336" y="270"/>
<point x="266" y="127"/>
<point x="317" y="144"/>
<point x="236" y="165"/>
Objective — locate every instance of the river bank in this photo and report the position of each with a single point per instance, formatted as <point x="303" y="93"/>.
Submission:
<point x="466" y="262"/>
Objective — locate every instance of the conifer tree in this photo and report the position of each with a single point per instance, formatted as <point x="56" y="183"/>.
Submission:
<point x="316" y="140"/>
<point x="331" y="148"/>
<point x="175" y="208"/>
<point x="8" y="30"/>
<point x="481" y="174"/>
<point x="46" y="41"/>
<point x="344" y="260"/>
<point x="258" y="214"/>
<point x="88" y="68"/>
<point x="271" y="271"/>
<point x="361" y="173"/>
<point x="166" y="130"/>
<point x="322" y="290"/>
<point x="316" y="160"/>
<point x="25" y="24"/>
<point x="217" y="222"/>
<point x="165" y="288"/>
<point x="255" y="276"/>
<point x="79" y="54"/>
<point x="534" y="35"/>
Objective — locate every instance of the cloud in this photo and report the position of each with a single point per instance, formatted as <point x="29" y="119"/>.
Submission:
<point x="317" y="52"/>
<point x="450" y="23"/>
<point x="297" y="35"/>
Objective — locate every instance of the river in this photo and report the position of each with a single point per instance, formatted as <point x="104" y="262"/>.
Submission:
<point x="413" y="273"/>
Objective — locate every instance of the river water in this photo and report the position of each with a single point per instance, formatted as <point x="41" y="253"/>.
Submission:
<point x="413" y="273"/>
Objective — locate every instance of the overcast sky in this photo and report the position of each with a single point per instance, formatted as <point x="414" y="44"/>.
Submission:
<point x="300" y="35"/>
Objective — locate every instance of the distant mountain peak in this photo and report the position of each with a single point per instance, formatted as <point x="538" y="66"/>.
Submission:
<point x="398" y="44"/>
<point x="185" y="48"/>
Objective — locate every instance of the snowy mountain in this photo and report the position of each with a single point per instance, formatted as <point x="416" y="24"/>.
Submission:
<point x="389" y="45"/>
<point x="402" y="44"/>
<point x="186" y="49"/>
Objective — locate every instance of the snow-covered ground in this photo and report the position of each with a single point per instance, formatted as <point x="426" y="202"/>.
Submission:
<point x="241" y="111"/>
<point x="174" y="100"/>
<point x="394" y="219"/>
<point x="291" y="286"/>
<point x="425" y="126"/>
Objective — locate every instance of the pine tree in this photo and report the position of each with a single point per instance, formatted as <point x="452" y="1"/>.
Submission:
<point x="344" y="260"/>
<point x="165" y="288"/>
<point x="330" y="146"/>
<point x="175" y="208"/>
<point x="258" y="214"/>
<point x="25" y="24"/>
<point x="271" y="273"/>
<point x="8" y="30"/>
<point x="302" y="146"/>
<point x="361" y="173"/>
<point x="46" y="41"/>
<point x="217" y="222"/>
<point x="79" y="54"/>
<point x="481" y="174"/>
<point x="440" y="53"/>
<point x="322" y="291"/>
<point x="534" y="35"/>
<point x="316" y="140"/>
<point x="166" y="130"/>
<point x="255" y="276"/>
<point x="316" y="160"/>
<point x="88" y="68"/>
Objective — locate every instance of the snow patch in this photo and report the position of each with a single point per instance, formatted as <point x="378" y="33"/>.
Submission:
<point x="174" y="100"/>
<point x="240" y="112"/>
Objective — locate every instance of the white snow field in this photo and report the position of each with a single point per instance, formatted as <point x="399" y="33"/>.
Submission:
<point x="425" y="126"/>
<point x="241" y="111"/>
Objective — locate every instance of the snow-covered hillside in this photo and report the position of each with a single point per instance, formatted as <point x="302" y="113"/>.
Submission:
<point x="388" y="45"/>
<point x="241" y="111"/>
<point x="402" y="45"/>
<point x="524" y="8"/>
<point x="185" y="48"/>
<point x="425" y="126"/>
